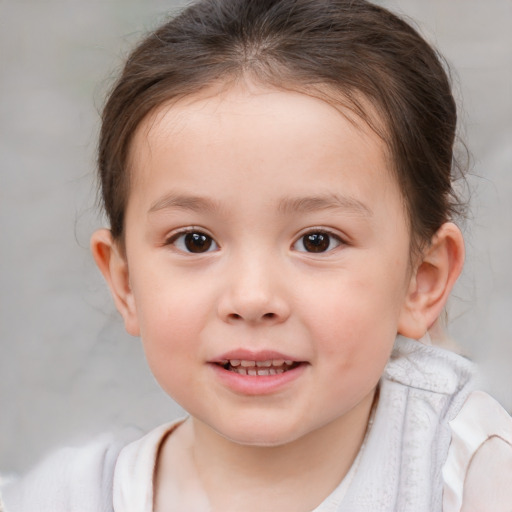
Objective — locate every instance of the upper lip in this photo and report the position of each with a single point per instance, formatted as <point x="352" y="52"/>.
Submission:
<point x="249" y="355"/>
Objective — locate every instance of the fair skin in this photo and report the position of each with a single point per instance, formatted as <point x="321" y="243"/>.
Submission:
<point x="264" y="226"/>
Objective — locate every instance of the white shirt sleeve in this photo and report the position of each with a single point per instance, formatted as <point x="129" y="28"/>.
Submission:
<point x="478" y="471"/>
<point x="68" y="480"/>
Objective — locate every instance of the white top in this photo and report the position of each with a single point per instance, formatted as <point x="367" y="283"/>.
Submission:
<point x="433" y="447"/>
<point x="478" y="471"/>
<point x="479" y="424"/>
<point x="137" y="462"/>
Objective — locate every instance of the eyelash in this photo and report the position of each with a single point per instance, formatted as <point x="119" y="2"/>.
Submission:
<point x="317" y="237"/>
<point x="323" y="236"/>
<point x="179" y="240"/>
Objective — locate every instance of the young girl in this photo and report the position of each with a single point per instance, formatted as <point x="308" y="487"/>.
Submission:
<point x="278" y="179"/>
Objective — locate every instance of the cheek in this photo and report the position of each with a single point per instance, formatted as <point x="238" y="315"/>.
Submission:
<point x="169" y="305"/>
<point x="172" y="316"/>
<point x="354" y="320"/>
<point x="170" y="341"/>
<point x="353" y="352"/>
<point x="356" y="302"/>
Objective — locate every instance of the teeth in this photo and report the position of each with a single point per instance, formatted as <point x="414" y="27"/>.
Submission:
<point x="267" y="364"/>
<point x="264" y="363"/>
<point x="261" y="368"/>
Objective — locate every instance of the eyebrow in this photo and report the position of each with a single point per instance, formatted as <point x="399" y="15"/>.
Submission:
<point x="288" y="205"/>
<point x="186" y="202"/>
<point x="324" y="202"/>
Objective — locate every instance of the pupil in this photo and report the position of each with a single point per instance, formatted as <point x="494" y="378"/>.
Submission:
<point x="197" y="242"/>
<point x="316" y="242"/>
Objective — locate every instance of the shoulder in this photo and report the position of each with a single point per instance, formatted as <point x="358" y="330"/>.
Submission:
<point x="432" y="383"/>
<point x="69" y="480"/>
<point x="422" y="389"/>
<point x="478" y="471"/>
<point x="137" y="462"/>
<point x="429" y="368"/>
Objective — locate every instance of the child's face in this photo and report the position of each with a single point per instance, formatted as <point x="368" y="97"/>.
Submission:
<point x="264" y="226"/>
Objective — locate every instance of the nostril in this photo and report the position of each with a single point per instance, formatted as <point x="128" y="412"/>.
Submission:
<point x="266" y="316"/>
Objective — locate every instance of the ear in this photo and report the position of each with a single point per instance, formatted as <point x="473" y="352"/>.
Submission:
<point x="432" y="281"/>
<point x="113" y="265"/>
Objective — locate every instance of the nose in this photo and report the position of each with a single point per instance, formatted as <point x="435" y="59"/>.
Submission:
<point x="253" y="293"/>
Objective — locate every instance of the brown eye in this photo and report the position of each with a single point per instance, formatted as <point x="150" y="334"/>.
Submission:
<point x="194" y="242"/>
<point x="317" y="241"/>
<point x="197" y="242"/>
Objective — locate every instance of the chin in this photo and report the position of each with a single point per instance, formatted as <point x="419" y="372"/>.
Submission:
<point x="260" y="434"/>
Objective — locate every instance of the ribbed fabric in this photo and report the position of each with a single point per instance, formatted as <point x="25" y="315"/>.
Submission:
<point x="422" y="389"/>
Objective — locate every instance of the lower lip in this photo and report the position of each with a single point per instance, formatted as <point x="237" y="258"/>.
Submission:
<point x="257" y="385"/>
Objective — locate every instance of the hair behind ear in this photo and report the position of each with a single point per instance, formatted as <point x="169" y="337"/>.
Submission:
<point x="432" y="281"/>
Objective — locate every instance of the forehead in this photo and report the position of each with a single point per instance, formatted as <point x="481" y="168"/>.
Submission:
<point x="249" y="131"/>
<point x="239" y="96"/>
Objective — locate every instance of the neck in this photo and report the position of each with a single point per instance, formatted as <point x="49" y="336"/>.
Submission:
<point x="295" y="476"/>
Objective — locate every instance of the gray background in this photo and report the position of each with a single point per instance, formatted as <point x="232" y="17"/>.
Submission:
<point x="67" y="369"/>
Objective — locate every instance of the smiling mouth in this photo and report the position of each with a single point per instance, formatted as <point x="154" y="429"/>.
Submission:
<point x="258" y="368"/>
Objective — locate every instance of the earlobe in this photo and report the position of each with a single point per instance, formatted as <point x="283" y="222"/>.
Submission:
<point x="114" y="267"/>
<point x="432" y="281"/>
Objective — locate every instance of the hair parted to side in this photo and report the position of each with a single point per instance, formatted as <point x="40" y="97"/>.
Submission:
<point x="360" y="52"/>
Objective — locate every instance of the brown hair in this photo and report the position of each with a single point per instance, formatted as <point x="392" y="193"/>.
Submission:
<point x="351" y="47"/>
